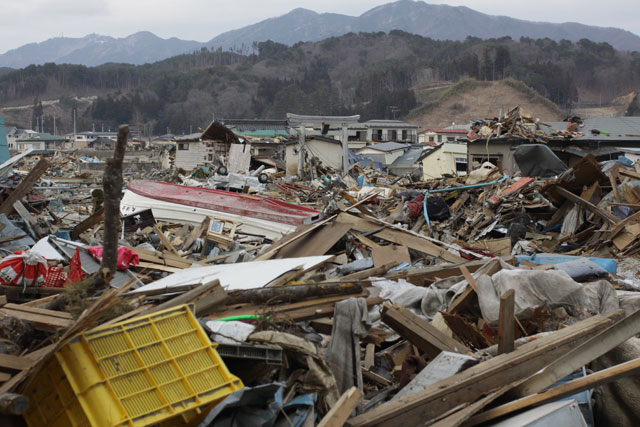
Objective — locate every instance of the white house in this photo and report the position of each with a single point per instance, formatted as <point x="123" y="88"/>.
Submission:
<point x="391" y="130"/>
<point x="448" y="158"/>
<point x="327" y="150"/>
<point x="440" y="135"/>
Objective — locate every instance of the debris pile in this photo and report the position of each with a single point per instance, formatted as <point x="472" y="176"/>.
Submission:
<point x="358" y="298"/>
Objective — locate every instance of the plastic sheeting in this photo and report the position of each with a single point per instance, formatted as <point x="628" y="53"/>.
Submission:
<point x="538" y="160"/>
<point x="582" y="270"/>
<point x="260" y="406"/>
<point x="543" y="288"/>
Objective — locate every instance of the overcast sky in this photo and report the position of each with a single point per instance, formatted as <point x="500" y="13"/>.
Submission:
<point x="26" y="21"/>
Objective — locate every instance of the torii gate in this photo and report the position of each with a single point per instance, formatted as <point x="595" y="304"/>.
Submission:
<point x="302" y="122"/>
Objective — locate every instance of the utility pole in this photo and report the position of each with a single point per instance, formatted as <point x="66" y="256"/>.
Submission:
<point x="301" y="150"/>
<point x="345" y="147"/>
<point x="75" y="112"/>
<point x="54" y="123"/>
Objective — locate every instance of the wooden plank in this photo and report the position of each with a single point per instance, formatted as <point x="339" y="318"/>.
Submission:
<point x="196" y="233"/>
<point x="630" y="174"/>
<point x="469" y="278"/>
<point x="474" y="382"/>
<point x="358" y="204"/>
<point x="406" y="238"/>
<point x="606" y="216"/>
<point x="25" y="186"/>
<point x="158" y="267"/>
<point x="608" y="375"/>
<point x="619" y="226"/>
<point x="614" y="184"/>
<point x="39" y="302"/>
<point x="390" y="253"/>
<point x="419" y="332"/>
<point x="418" y="244"/>
<point x="459" y="417"/>
<point x="291" y="237"/>
<point x="38" y="354"/>
<point x="165" y="242"/>
<point x="43" y="322"/>
<point x="304" y="310"/>
<point x="581" y="355"/>
<point x="316" y="311"/>
<point x="364" y="274"/>
<point x="366" y="240"/>
<point x="506" y="328"/>
<point x="38" y="310"/>
<point x="162" y="258"/>
<point x="316" y="243"/>
<point x="369" y="356"/>
<point x="89" y="222"/>
<point x="212" y="292"/>
<point x="466" y="297"/>
<point x="343" y="408"/>
<point x="8" y="361"/>
<point x="29" y="220"/>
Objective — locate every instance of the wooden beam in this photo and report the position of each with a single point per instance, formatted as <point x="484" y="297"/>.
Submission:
<point x="609" y="218"/>
<point x="474" y="382"/>
<point x="614" y="184"/>
<point x="412" y="240"/>
<point x="165" y="242"/>
<point x="364" y="274"/>
<point x="342" y="409"/>
<point x="25" y="186"/>
<point x="506" y="329"/>
<point x="630" y="174"/>
<point x="205" y="297"/>
<point x="29" y="220"/>
<point x="420" y="332"/>
<point x="290" y="293"/>
<point x="469" y="278"/>
<point x="458" y="417"/>
<point x="89" y="222"/>
<point x="290" y="238"/>
<point x="581" y="355"/>
<point x="41" y="319"/>
<point x="568" y="389"/>
<point x="8" y="361"/>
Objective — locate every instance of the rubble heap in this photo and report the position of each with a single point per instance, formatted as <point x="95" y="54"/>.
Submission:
<point x="360" y="298"/>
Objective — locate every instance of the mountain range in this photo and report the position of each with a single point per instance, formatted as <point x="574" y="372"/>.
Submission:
<point x="439" y="22"/>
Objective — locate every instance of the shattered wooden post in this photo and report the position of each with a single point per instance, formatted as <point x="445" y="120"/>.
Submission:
<point x="506" y="330"/>
<point x="112" y="184"/>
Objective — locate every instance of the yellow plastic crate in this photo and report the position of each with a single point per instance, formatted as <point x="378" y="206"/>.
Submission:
<point x="154" y="369"/>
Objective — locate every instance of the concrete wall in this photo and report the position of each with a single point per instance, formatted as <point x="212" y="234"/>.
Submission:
<point x="501" y="151"/>
<point x="442" y="160"/>
<point x="291" y="159"/>
<point x="330" y="154"/>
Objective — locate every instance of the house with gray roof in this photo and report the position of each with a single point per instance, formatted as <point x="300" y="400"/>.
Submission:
<point x="384" y="152"/>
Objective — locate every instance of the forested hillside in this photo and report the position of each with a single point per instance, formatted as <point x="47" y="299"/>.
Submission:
<point x="366" y="73"/>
